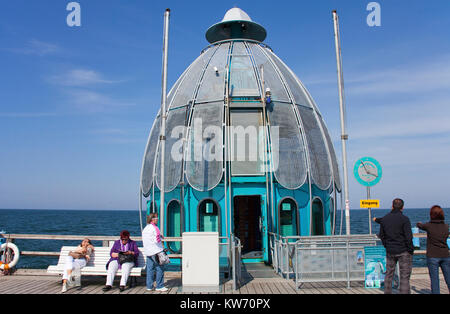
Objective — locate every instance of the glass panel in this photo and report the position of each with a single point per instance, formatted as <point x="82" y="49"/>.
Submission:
<point x="243" y="80"/>
<point x="187" y="88"/>
<point x="337" y="178"/>
<point x="271" y="77"/>
<point x="208" y="222"/>
<point x="320" y="164"/>
<point x="317" y="217"/>
<point x="175" y="132"/>
<point x="174" y="224"/>
<point x="149" y="158"/>
<point x="213" y="83"/>
<point x="299" y="96"/>
<point x="288" y="218"/>
<point x="204" y="152"/>
<point x="288" y="152"/>
<point x="174" y="88"/>
<point x="247" y="142"/>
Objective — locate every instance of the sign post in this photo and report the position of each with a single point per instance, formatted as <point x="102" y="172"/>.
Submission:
<point x="368" y="173"/>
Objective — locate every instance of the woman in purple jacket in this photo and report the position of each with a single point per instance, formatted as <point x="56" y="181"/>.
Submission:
<point x="123" y="246"/>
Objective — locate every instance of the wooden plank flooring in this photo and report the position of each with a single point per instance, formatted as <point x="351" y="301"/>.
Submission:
<point x="30" y="284"/>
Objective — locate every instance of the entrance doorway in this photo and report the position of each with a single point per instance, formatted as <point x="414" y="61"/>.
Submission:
<point x="248" y="225"/>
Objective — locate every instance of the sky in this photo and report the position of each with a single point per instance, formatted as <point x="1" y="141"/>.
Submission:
<point x="77" y="103"/>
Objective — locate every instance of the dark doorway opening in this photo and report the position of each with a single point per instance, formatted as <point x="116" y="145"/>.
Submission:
<point x="248" y="225"/>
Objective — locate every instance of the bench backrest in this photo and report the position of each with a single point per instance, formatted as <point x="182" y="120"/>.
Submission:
<point x="99" y="257"/>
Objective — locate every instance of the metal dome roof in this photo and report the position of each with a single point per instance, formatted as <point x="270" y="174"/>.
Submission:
<point x="228" y="74"/>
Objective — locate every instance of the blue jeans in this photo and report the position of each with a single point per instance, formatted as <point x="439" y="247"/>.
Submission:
<point x="433" y="264"/>
<point x="153" y="265"/>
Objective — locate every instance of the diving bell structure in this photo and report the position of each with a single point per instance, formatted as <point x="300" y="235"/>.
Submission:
<point x="247" y="152"/>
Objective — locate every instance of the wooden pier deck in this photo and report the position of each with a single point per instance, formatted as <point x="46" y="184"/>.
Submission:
<point x="37" y="282"/>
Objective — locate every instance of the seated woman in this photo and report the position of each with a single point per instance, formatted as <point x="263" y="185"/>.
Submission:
<point x="129" y="249"/>
<point x="75" y="261"/>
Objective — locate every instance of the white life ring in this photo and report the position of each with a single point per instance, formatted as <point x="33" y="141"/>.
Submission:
<point x="12" y="246"/>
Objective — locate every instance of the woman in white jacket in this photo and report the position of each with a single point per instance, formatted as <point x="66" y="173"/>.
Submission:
<point x="151" y="238"/>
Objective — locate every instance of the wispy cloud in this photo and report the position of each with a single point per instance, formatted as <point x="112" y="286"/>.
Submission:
<point x="431" y="75"/>
<point x="36" y="47"/>
<point x="406" y="119"/>
<point x="413" y="77"/>
<point x="80" y="77"/>
<point x="88" y="101"/>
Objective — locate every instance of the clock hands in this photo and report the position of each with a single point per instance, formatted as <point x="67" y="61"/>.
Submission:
<point x="367" y="171"/>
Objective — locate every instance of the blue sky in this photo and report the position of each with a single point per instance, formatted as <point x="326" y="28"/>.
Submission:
<point x="77" y="104"/>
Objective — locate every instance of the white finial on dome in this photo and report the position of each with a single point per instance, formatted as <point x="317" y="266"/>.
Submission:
<point x="236" y="14"/>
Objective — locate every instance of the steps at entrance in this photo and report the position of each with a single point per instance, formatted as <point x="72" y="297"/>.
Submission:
<point x="258" y="270"/>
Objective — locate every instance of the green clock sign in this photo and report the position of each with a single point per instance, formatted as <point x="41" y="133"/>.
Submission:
<point x="367" y="171"/>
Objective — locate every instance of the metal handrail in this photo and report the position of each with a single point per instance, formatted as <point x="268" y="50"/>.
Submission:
<point x="236" y="261"/>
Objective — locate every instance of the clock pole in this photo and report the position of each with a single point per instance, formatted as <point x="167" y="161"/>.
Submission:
<point x="370" y="211"/>
<point x="344" y="135"/>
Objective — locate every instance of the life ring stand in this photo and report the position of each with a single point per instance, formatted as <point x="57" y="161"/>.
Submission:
<point x="12" y="246"/>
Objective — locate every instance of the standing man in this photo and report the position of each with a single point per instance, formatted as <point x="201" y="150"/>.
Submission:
<point x="396" y="235"/>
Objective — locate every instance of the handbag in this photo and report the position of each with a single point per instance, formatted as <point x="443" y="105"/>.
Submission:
<point x="76" y="255"/>
<point x="125" y="258"/>
<point x="162" y="258"/>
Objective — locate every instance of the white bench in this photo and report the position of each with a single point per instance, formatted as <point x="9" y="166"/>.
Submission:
<point x="97" y="263"/>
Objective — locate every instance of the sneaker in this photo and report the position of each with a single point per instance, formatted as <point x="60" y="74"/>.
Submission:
<point x="163" y="289"/>
<point x="77" y="281"/>
<point x="107" y="288"/>
<point x="70" y="281"/>
<point x="64" y="288"/>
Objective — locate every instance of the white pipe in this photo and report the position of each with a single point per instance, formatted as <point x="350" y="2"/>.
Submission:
<point x="344" y="135"/>
<point x="164" y="113"/>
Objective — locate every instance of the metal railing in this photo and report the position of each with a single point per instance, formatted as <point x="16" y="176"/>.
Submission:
<point x="339" y="258"/>
<point x="236" y="261"/>
<point x="105" y="241"/>
<point x="322" y="258"/>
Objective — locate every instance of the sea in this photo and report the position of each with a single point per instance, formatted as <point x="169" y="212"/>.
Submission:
<point x="111" y="222"/>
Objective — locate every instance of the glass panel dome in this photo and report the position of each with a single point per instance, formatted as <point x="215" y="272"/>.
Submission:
<point x="200" y="93"/>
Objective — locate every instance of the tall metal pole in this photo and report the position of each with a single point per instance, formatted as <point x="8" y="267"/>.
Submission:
<point x="370" y="211"/>
<point x="344" y="135"/>
<point x="163" y="113"/>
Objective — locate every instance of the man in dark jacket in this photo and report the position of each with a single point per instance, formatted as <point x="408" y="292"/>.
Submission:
<point x="396" y="235"/>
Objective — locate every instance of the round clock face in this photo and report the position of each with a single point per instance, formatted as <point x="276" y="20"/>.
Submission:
<point x="367" y="171"/>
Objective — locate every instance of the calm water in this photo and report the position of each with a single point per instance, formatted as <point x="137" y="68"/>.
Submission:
<point x="109" y="223"/>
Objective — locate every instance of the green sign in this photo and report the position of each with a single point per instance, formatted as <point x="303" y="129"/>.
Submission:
<point x="367" y="171"/>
